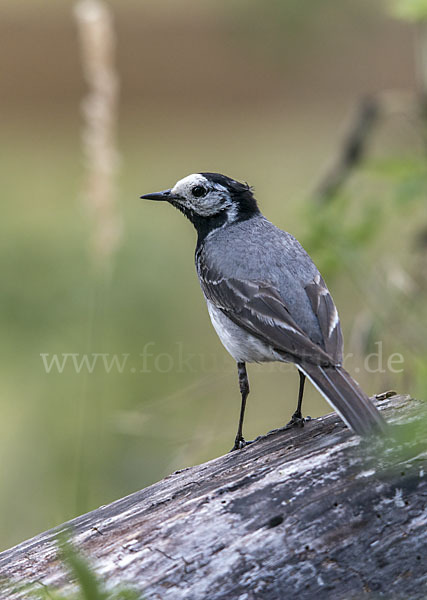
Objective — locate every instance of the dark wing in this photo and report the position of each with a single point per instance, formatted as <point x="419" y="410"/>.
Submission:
<point x="327" y="315"/>
<point x="258" y="308"/>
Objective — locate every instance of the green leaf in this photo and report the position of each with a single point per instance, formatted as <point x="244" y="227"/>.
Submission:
<point x="410" y="10"/>
<point x="81" y="571"/>
<point x="397" y="168"/>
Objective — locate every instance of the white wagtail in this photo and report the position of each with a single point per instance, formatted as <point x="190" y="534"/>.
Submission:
<point x="266" y="299"/>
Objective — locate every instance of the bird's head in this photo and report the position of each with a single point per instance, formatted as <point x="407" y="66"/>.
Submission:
<point x="210" y="200"/>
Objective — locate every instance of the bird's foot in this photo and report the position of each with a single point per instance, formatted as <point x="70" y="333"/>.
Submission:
<point x="240" y="443"/>
<point x="297" y="420"/>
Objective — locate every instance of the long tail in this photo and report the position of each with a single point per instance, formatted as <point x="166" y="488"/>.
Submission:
<point x="346" y="397"/>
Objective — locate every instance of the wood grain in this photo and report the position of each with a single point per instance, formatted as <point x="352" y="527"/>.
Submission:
<point x="304" y="513"/>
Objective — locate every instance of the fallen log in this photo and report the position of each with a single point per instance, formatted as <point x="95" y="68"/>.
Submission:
<point x="302" y="513"/>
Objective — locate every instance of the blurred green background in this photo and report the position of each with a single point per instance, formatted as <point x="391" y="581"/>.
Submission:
<point x="261" y="92"/>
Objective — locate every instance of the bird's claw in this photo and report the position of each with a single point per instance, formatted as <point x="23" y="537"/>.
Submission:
<point x="240" y="443"/>
<point x="297" y="420"/>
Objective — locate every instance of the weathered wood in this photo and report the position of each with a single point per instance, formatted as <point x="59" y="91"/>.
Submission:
<point x="305" y="513"/>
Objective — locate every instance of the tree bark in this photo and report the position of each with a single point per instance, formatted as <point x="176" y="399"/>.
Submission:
<point x="302" y="513"/>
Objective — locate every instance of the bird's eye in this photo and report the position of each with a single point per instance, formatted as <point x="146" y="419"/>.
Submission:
<point x="198" y="191"/>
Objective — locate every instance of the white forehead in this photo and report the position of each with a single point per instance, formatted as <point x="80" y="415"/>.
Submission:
<point x="183" y="186"/>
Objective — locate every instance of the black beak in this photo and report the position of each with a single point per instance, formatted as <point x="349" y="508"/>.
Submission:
<point x="159" y="196"/>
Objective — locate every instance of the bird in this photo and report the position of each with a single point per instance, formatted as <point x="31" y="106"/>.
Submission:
<point x="266" y="298"/>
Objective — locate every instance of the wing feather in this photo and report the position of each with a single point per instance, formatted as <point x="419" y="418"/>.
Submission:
<point x="327" y="315"/>
<point x="257" y="307"/>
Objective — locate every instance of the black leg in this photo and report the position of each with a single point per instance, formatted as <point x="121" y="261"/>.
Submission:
<point x="298" y="413"/>
<point x="297" y="418"/>
<point x="244" y="390"/>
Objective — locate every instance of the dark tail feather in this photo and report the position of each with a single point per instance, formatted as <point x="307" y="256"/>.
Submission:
<point x="346" y="397"/>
